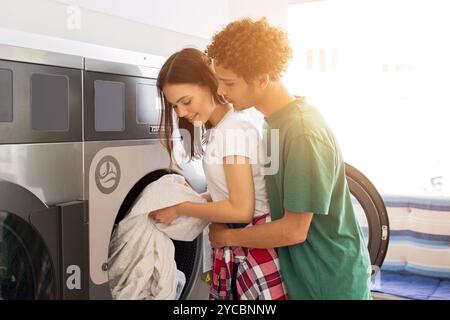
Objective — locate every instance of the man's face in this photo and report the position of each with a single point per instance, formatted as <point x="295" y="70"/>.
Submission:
<point x="234" y="88"/>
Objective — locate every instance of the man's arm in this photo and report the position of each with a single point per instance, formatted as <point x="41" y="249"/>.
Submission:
<point x="291" y="229"/>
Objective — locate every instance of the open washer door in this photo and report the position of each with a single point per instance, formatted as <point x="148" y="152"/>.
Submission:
<point x="187" y="253"/>
<point x="371" y="213"/>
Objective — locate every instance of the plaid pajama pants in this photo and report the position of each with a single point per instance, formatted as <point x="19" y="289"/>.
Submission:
<point x="258" y="274"/>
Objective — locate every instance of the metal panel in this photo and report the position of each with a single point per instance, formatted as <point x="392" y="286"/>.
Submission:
<point x="6" y="101"/>
<point x="109" y="106"/>
<point x="20" y="54"/>
<point x="53" y="172"/>
<point x="46" y="223"/>
<point x="20" y="129"/>
<point x="49" y="102"/>
<point x="120" y="68"/>
<point x="133" y="129"/>
<point x="74" y="256"/>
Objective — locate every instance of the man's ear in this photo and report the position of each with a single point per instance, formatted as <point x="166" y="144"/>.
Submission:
<point x="262" y="81"/>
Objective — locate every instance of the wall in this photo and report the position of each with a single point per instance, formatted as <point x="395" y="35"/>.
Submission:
<point x="50" y="18"/>
<point x="157" y="27"/>
<point x="275" y="10"/>
<point x="199" y="18"/>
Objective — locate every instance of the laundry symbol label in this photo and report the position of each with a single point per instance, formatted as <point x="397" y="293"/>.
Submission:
<point x="107" y="174"/>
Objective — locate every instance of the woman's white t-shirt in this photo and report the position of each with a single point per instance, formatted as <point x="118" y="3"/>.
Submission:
<point x="234" y="135"/>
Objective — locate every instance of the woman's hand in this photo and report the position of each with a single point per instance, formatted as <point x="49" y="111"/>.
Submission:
<point x="166" y="215"/>
<point x="218" y="235"/>
<point x="207" y="196"/>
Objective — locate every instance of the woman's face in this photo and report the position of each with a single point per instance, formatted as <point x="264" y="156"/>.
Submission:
<point x="190" y="101"/>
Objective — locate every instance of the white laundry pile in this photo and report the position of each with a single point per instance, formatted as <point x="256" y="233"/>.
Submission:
<point x="141" y="253"/>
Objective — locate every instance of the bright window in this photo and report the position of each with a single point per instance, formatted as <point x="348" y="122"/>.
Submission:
<point x="378" y="70"/>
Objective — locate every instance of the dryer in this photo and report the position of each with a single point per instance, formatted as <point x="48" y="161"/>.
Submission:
<point x="122" y="155"/>
<point x="78" y="143"/>
<point x="41" y="211"/>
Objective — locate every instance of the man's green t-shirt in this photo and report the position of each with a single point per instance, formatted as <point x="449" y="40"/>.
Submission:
<point x="333" y="262"/>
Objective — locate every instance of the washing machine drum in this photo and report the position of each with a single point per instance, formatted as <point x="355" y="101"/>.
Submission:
<point x="26" y="271"/>
<point x="187" y="253"/>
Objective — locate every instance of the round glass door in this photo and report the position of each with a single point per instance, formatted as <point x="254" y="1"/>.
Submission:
<point x="187" y="253"/>
<point x="26" y="271"/>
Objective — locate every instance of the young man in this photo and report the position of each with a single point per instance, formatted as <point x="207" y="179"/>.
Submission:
<point x="319" y="242"/>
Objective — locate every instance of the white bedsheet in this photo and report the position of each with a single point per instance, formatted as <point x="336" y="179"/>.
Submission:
<point x="142" y="255"/>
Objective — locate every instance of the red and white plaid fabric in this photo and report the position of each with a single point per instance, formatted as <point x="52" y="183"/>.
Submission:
<point x="258" y="274"/>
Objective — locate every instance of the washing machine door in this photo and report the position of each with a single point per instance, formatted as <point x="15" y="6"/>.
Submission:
<point x="26" y="266"/>
<point x="371" y="213"/>
<point x="187" y="253"/>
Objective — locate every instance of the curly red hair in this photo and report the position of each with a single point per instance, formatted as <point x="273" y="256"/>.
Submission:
<point x="250" y="48"/>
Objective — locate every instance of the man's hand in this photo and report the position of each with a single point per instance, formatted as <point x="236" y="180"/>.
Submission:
<point x="166" y="215"/>
<point x="218" y="235"/>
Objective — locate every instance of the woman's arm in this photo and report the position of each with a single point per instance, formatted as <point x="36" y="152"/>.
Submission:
<point x="240" y="205"/>
<point x="238" y="208"/>
<point x="206" y="195"/>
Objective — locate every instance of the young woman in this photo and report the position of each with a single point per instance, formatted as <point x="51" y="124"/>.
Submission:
<point x="187" y="86"/>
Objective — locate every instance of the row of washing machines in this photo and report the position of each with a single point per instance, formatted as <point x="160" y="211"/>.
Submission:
<point x="78" y="143"/>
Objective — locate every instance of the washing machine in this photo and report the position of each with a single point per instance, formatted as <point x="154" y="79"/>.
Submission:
<point x="41" y="207"/>
<point x="122" y="154"/>
<point x="78" y="143"/>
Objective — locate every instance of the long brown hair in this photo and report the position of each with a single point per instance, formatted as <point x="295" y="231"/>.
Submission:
<point x="186" y="66"/>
